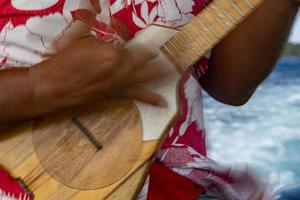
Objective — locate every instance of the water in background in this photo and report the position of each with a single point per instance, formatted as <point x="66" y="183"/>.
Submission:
<point x="266" y="131"/>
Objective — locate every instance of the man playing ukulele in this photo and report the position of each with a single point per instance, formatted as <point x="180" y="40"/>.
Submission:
<point x="49" y="64"/>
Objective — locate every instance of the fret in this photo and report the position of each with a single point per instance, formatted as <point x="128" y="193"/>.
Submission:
<point x="187" y="48"/>
<point x="209" y="31"/>
<point x="184" y="50"/>
<point x="210" y="28"/>
<point x="192" y="38"/>
<point x="203" y="30"/>
<point x="192" y="27"/>
<point x="184" y="56"/>
<point x="174" y="48"/>
<point x="211" y="18"/>
<point x="199" y="42"/>
<point x="221" y="7"/>
<point x="177" y="47"/>
<point x="180" y="55"/>
<point x="244" y="7"/>
<point x="171" y="47"/>
<point x="201" y="45"/>
<point x="221" y="15"/>
<point x="170" y="54"/>
<point x="233" y="9"/>
<point x="250" y="4"/>
<point x="188" y="44"/>
<point x="238" y="8"/>
<point x="218" y="17"/>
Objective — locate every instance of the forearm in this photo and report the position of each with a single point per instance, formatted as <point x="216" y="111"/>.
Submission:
<point x="243" y="59"/>
<point x="16" y="96"/>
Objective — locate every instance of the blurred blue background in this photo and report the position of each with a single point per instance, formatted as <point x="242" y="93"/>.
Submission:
<point x="266" y="131"/>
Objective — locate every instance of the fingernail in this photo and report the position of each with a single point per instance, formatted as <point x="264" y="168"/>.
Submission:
<point x="162" y="103"/>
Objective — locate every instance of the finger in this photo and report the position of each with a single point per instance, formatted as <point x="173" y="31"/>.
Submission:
<point x="152" y="70"/>
<point x="141" y="93"/>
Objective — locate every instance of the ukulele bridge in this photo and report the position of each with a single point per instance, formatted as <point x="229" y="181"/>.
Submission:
<point x="87" y="133"/>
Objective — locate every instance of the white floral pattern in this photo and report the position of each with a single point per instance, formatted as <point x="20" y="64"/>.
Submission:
<point x="175" y="12"/>
<point x="167" y="12"/>
<point x="147" y="16"/>
<point x="143" y="13"/>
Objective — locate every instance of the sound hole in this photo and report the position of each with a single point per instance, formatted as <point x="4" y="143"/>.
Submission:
<point x="68" y="155"/>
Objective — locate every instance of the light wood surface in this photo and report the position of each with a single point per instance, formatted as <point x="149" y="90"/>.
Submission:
<point x="131" y="188"/>
<point x="25" y="164"/>
<point x="70" y="157"/>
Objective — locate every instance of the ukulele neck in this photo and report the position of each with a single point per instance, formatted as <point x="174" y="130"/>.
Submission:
<point x="205" y="30"/>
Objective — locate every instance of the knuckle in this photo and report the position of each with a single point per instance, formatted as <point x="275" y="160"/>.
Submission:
<point x="110" y="51"/>
<point x="110" y="55"/>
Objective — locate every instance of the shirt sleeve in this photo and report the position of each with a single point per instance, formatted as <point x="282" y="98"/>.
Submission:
<point x="201" y="67"/>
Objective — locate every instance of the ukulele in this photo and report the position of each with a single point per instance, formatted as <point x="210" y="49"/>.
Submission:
<point x="88" y="152"/>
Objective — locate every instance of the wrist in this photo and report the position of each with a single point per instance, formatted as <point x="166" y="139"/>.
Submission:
<point x="41" y="102"/>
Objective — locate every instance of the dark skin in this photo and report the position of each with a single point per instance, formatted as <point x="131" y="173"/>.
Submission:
<point x="239" y="64"/>
<point x="248" y="55"/>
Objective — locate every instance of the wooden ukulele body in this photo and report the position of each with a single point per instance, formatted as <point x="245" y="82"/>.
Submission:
<point x="63" y="154"/>
<point x="119" y="125"/>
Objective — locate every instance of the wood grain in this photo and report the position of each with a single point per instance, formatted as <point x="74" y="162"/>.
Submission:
<point x="46" y="187"/>
<point x="68" y="155"/>
<point x="130" y="189"/>
<point x="15" y="146"/>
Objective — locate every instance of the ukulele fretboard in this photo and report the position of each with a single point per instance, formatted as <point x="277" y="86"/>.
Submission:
<point x="205" y="30"/>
